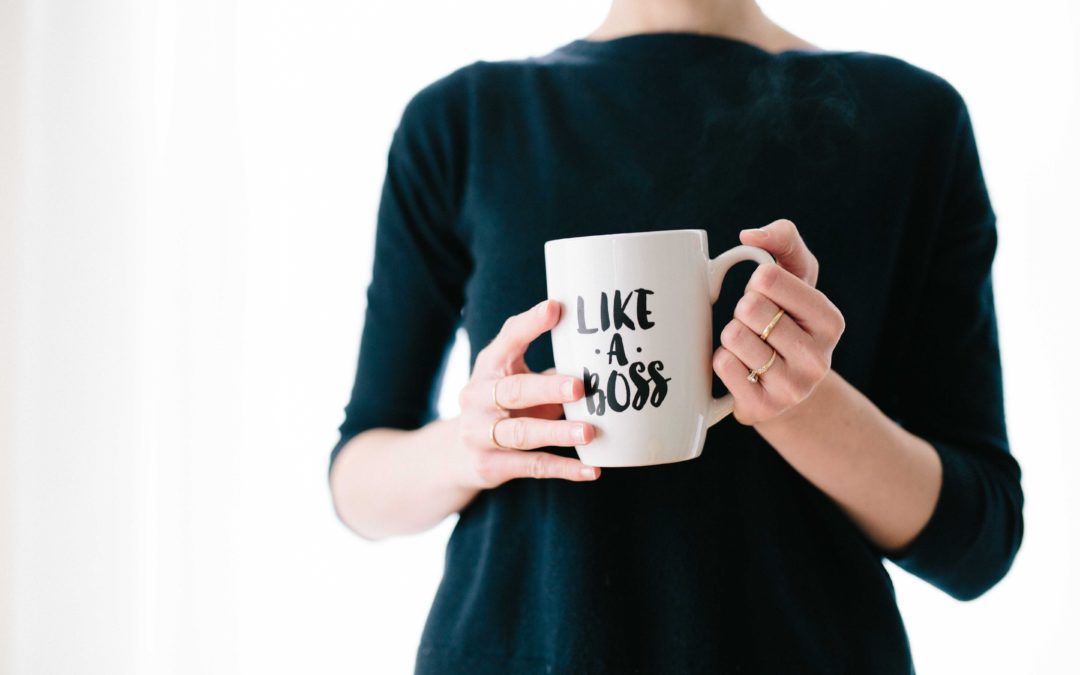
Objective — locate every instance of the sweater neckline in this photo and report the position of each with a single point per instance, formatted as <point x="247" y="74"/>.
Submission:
<point x="669" y="45"/>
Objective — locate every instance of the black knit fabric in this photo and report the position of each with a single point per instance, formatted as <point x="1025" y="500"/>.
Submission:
<point x="730" y="563"/>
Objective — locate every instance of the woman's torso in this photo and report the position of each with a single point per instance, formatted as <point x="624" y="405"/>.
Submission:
<point x="731" y="562"/>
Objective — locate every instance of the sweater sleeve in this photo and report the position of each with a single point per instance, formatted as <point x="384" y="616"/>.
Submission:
<point x="951" y="395"/>
<point x="416" y="292"/>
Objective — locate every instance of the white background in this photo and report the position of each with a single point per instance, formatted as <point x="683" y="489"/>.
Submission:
<point x="187" y="197"/>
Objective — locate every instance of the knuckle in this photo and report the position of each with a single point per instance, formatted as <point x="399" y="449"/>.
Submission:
<point x="765" y="276"/>
<point x="831" y="327"/>
<point x="479" y="434"/>
<point x="831" y="321"/>
<point x="812" y="270"/>
<point x="721" y="360"/>
<point x="556" y="434"/>
<point x="839" y="323"/>
<point x="730" y="333"/>
<point x="538" y="466"/>
<point x="718" y="361"/>
<point x="567" y="471"/>
<point x="815" y="368"/>
<point x="748" y="307"/>
<point x="789" y="234"/>
<point x="510" y="392"/>
<point x="548" y="309"/>
<point x="508" y="325"/>
<point x="554" y="389"/>
<point x="565" y="434"/>
<point x="807" y="354"/>
<point x="519" y="433"/>
<point x="467" y="431"/>
<point x="484" y="466"/>
<point x="482" y="358"/>
<point x="742" y="416"/>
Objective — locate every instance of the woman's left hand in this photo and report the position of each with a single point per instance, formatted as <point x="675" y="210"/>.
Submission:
<point x="803" y="338"/>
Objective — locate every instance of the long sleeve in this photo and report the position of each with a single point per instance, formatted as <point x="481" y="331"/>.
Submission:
<point x="416" y="293"/>
<point x="951" y="392"/>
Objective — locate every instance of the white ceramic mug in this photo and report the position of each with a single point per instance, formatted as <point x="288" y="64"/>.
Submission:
<point x="637" y="327"/>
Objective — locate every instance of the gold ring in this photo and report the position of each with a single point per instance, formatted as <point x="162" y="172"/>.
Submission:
<point x="495" y="395"/>
<point x="772" y="324"/>
<point x="758" y="372"/>
<point x="491" y="434"/>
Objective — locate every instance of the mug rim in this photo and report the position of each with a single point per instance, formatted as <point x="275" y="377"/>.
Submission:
<point x="650" y="233"/>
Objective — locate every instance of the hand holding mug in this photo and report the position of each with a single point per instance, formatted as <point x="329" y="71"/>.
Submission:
<point x="507" y="410"/>
<point x="637" y="329"/>
<point x="804" y="328"/>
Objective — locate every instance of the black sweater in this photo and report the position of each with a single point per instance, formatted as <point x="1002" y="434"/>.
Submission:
<point x="732" y="562"/>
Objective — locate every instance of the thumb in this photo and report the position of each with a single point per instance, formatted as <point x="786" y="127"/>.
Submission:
<point x="782" y="239"/>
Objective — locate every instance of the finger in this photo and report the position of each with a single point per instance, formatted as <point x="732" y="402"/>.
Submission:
<point x="499" y="466"/>
<point x="757" y="311"/>
<point x="526" y="433"/>
<point x="795" y="346"/>
<point x="513" y="392"/>
<point x="732" y="372"/>
<point x="754" y="353"/>
<point x="547" y="411"/>
<point x="808" y="306"/>
<point x="517" y="334"/>
<point x="782" y="239"/>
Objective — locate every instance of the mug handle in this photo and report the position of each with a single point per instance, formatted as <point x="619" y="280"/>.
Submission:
<point x="718" y="267"/>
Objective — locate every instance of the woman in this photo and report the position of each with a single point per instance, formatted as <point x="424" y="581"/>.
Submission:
<point x="765" y="554"/>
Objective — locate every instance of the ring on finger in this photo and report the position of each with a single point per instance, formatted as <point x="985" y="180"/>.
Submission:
<point x="495" y="396"/>
<point x="491" y="434"/>
<point x="758" y="372"/>
<point x="772" y="324"/>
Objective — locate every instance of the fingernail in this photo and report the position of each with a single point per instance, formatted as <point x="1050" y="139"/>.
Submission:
<point x="579" y="433"/>
<point x="760" y="233"/>
<point x="568" y="390"/>
<point x="588" y="472"/>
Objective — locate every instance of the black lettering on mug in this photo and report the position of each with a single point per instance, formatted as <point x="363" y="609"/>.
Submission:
<point x="641" y="386"/>
<point x="641" y="383"/>
<point x="616" y="350"/>
<point x="659" y="383"/>
<point x="581" y="317"/>
<point x="614" y="314"/>
<point x="617" y="381"/>
<point x="594" y="396"/>
<point x="619" y="392"/>
<point x="621" y="320"/>
<point x="643" y="309"/>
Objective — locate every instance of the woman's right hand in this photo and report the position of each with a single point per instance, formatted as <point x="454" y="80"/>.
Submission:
<point x="507" y="410"/>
